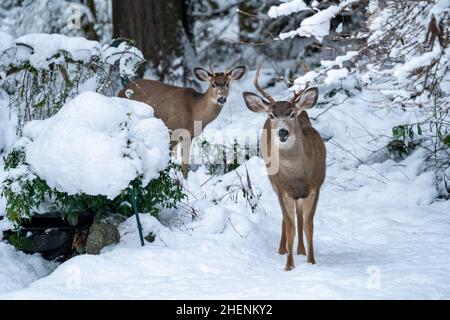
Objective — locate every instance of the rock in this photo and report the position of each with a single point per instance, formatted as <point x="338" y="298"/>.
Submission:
<point x="100" y="236"/>
<point x="115" y="219"/>
<point x="50" y="244"/>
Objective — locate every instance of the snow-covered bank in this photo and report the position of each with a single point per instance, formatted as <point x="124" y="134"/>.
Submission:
<point x="19" y="270"/>
<point x="371" y="242"/>
<point x="378" y="233"/>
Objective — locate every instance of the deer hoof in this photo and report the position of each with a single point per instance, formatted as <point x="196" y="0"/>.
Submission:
<point x="311" y="260"/>
<point x="289" y="267"/>
<point x="289" y="262"/>
<point x="282" y="251"/>
<point x="301" y="251"/>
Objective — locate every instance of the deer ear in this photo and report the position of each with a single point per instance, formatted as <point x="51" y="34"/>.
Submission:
<point x="255" y="103"/>
<point x="308" y="99"/>
<point x="202" y="74"/>
<point x="237" y="73"/>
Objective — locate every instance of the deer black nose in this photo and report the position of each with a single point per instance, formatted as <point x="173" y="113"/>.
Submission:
<point x="222" y="100"/>
<point x="283" y="134"/>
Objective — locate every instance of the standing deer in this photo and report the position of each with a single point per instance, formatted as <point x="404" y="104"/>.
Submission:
<point x="294" y="154"/>
<point x="180" y="108"/>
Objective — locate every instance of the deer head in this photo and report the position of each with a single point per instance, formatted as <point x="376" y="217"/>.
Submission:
<point x="282" y="114"/>
<point x="219" y="82"/>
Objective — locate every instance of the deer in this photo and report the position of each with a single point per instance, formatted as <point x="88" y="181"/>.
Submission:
<point x="295" y="159"/>
<point x="182" y="108"/>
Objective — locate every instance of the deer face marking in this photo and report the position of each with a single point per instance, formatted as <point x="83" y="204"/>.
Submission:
<point x="219" y="82"/>
<point x="282" y="114"/>
<point x="282" y="117"/>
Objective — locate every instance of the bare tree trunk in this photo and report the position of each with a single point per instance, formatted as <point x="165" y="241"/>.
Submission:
<point x="162" y="30"/>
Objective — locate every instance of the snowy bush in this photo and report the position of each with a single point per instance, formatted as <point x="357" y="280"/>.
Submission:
<point x="86" y="157"/>
<point x="68" y="17"/>
<point x="317" y="25"/>
<point x="406" y="57"/>
<point x="409" y="45"/>
<point x="40" y="72"/>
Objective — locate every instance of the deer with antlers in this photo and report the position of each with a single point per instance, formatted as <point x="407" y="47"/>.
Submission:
<point x="294" y="154"/>
<point x="181" y="109"/>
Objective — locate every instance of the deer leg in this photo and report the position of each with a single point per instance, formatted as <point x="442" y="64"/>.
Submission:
<point x="299" y="211"/>
<point x="310" y="208"/>
<point x="173" y="149"/>
<point x="282" y="249"/>
<point x="186" y="149"/>
<point x="290" y="230"/>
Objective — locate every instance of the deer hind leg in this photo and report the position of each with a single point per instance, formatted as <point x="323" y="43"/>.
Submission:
<point x="310" y="204"/>
<point x="289" y="218"/>
<point x="299" y="211"/>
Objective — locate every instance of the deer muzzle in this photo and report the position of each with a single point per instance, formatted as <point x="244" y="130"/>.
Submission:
<point x="221" y="100"/>
<point x="283" y="135"/>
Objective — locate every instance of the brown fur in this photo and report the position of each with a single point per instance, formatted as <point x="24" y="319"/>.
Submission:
<point x="180" y="108"/>
<point x="177" y="107"/>
<point x="297" y="183"/>
<point x="296" y="167"/>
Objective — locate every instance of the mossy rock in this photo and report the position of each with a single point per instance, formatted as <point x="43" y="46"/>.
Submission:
<point x="101" y="235"/>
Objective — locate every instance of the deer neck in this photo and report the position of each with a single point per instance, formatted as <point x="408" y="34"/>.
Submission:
<point x="206" y="109"/>
<point x="294" y="156"/>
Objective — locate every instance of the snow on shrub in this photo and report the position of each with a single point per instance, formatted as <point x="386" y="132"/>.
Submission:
<point x="40" y="72"/>
<point x="97" y="145"/>
<point x="406" y="59"/>
<point x="88" y="154"/>
<point x="409" y="45"/>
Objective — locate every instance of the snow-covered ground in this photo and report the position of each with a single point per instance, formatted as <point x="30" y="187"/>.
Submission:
<point x="379" y="233"/>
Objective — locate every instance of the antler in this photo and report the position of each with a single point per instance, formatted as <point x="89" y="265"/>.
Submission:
<point x="255" y="83"/>
<point x="212" y="69"/>
<point x="297" y="94"/>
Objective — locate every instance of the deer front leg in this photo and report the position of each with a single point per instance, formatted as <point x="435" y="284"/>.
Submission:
<point x="282" y="249"/>
<point x="310" y="204"/>
<point x="299" y="211"/>
<point x="182" y="137"/>
<point x="185" y="153"/>
<point x="290" y="230"/>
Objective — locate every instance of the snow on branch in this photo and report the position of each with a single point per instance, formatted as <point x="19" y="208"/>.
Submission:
<point x="287" y="8"/>
<point x="317" y="25"/>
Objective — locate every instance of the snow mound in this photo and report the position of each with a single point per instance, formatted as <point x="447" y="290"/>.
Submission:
<point x="45" y="46"/>
<point x="19" y="270"/>
<point x="97" y="145"/>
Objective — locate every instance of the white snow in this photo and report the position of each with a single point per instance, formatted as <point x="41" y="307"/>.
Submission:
<point x="333" y="76"/>
<point x="287" y="8"/>
<point x="379" y="232"/>
<point x="440" y="6"/>
<point x="404" y="70"/>
<point x="6" y="41"/>
<point x="44" y="46"/>
<point x="42" y="49"/>
<point x="18" y="270"/>
<point x="339" y="61"/>
<point x="317" y="25"/>
<point x="7" y="125"/>
<point x="97" y="145"/>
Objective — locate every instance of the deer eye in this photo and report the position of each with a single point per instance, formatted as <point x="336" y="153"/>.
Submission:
<point x="292" y="115"/>
<point x="213" y="85"/>
<point x="271" y="116"/>
<point x="227" y="84"/>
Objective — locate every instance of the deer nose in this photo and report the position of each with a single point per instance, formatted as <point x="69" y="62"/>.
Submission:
<point x="283" y="134"/>
<point x="222" y="100"/>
